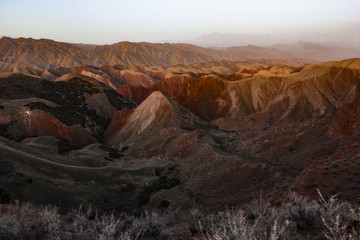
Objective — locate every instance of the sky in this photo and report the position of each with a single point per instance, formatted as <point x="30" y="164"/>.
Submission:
<point x="110" y="21"/>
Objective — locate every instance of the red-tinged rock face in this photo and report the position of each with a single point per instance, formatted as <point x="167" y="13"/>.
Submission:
<point x="136" y="94"/>
<point x="32" y="123"/>
<point x="346" y="121"/>
<point x="119" y="120"/>
<point x="202" y="95"/>
<point x="271" y="94"/>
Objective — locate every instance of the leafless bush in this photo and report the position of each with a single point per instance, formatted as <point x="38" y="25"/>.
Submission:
<point x="298" y="219"/>
<point x="341" y="219"/>
<point x="229" y="224"/>
<point x="26" y="222"/>
<point x="302" y="212"/>
<point x="80" y="227"/>
<point x="9" y="227"/>
<point x="232" y="224"/>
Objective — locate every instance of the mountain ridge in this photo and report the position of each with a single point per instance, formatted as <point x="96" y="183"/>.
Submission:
<point x="45" y="53"/>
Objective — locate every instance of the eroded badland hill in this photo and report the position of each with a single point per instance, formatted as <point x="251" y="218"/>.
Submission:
<point x="212" y="133"/>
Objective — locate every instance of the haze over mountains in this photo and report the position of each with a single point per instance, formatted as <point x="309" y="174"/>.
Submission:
<point x="341" y="36"/>
<point x="331" y="47"/>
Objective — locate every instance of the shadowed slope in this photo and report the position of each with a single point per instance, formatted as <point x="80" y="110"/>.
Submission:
<point x="337" y="173"/>
<point x="31" y="175"/>
<point x="74" y="106"/>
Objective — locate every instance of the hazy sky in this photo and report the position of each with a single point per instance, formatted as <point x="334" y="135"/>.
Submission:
<point x="109" y="21"/>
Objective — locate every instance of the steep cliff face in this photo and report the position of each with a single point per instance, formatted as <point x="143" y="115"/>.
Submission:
<point x="136" y="94"/>
<point x="202" y="95"/>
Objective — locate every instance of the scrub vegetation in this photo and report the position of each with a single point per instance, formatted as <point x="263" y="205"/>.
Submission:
<point x="297" y="219"/>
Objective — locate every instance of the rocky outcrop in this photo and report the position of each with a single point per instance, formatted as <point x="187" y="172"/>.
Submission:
<point x="157" y="113"/>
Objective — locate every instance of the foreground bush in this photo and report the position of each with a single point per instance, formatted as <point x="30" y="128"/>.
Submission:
<point x="298" y="219"/>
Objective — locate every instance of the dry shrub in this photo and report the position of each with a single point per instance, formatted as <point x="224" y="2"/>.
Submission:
<point x="298" y="219"/>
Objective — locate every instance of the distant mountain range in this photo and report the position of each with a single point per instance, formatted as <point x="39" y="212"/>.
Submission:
<point x="344" y="37"/>
<point x="225" y="40"/>
<point x="44" y="53"/>
<point x="331" y="49"/>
